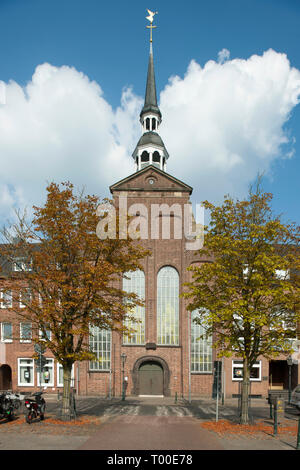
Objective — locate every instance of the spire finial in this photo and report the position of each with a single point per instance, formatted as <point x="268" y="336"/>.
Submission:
<point x="151" y="26"/>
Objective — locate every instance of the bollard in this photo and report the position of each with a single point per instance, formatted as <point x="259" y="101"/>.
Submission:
<point x="275" y="420"/>
<point x="298" y="436"/>
<point x="271" y="411"/>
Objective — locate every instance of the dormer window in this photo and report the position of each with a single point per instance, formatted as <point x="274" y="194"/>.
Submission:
<point x="20" y="264"/>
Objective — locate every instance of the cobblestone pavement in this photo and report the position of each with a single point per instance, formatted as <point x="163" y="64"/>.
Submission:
<point x="144" y="423"/>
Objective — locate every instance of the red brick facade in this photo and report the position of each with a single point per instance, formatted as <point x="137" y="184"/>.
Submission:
<point x="174" y="360"/>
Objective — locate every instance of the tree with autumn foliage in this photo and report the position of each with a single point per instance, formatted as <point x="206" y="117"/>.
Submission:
<point x="73" y="276"/>
<point x="248" y="297"/>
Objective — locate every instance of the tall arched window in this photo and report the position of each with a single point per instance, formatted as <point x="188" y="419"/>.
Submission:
<point x="135" y="282"/>
<point x="201" y="348"/>
<point x="168" y="306"/>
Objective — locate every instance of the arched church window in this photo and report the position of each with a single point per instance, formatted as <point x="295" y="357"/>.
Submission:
<point x="201" y="347"/>
<point x="153" y="124"/>
<point x="168" y="306"/>
<point x="134" y="282"/>
<point x="148" y="124"/>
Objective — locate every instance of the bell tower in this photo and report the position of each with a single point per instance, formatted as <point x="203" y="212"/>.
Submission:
<point x="150" y="149"/>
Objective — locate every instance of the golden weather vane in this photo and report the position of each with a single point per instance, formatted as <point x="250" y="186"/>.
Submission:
<point x="150" y="18"/>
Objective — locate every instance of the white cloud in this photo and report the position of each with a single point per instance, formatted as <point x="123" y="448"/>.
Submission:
<point x="225" y="122"/>
<point x="59" y="127"/>
<point x="222" y="123"/>
<point x="223" y="55"/>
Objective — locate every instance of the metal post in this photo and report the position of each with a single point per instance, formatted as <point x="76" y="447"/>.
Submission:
<point x="290" y="363"/>
<point x="123" y="357"/>
<point x="275" y="420"/>
<point x="271" y="410"/>
<point x="41" y="371"/>
<point x="223" y="381"/>
<point x="298" y="436"/>
<point x="110" y="383"/>
<point x="290" y="383"/>
<point x="217" y="404"/>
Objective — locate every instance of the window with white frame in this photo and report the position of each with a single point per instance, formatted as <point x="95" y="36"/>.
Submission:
<point x="25" y="297"/>
<point x="201" y="348"/>
<point x="25" y="372"/>
<point x="60" y="375"/>
<point x="134" y="282"/>
<point x="6" y="299"/>
<point x="100" y="344"/>
<point x="282" y="274"/>
<point x="25" y="332"/>
<point x="238" y="371"/>
<point x="48" y="334"/>
<point x="168" y="306"/>
<point x="20" y="264"/>
<point x="6" y="332"/>
<point x="47" y="374"/>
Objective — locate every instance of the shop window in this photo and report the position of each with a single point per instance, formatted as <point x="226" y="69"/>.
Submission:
<point x="25" y="372"/>
<point x="47" y="379"/>
<point x="60" y="376"/>
<point x="238" y="371"/>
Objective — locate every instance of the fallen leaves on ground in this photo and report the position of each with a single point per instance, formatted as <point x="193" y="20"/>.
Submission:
<point x="224" y="427"/>
<point x="52" y="424"/>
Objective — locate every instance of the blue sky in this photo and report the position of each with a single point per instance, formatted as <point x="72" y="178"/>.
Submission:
<point x="108" y="43"/>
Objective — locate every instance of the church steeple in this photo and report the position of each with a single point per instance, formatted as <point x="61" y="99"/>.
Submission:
<point x="150" y="149"/>
<point x="150" y="105"/>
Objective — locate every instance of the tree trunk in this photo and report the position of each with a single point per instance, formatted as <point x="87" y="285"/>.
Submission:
<point x="67" y="412"/>
<point x="245" y="394"/>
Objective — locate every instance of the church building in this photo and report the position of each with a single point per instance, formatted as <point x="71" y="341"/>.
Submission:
<point x="163" y="356"/>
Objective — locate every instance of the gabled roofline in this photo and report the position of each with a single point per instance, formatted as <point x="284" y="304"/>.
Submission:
<point x="187" y="188"/>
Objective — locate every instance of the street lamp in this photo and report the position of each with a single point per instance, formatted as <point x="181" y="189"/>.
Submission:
<point x="123" y="357"/>
<point x="290" y="363"/>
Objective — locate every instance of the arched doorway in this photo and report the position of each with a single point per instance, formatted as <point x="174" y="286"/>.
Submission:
<point x="151" y="379"/>
<point x="5" y="377"/>
<point x="149" y="368"/>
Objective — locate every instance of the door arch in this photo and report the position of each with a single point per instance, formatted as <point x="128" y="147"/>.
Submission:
<point x="164" y="369"/>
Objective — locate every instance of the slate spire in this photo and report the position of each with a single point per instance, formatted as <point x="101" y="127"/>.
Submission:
<point x="150" y="104"/>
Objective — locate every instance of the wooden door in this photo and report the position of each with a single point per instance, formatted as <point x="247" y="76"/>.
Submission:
<point x="151" y="379"/>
